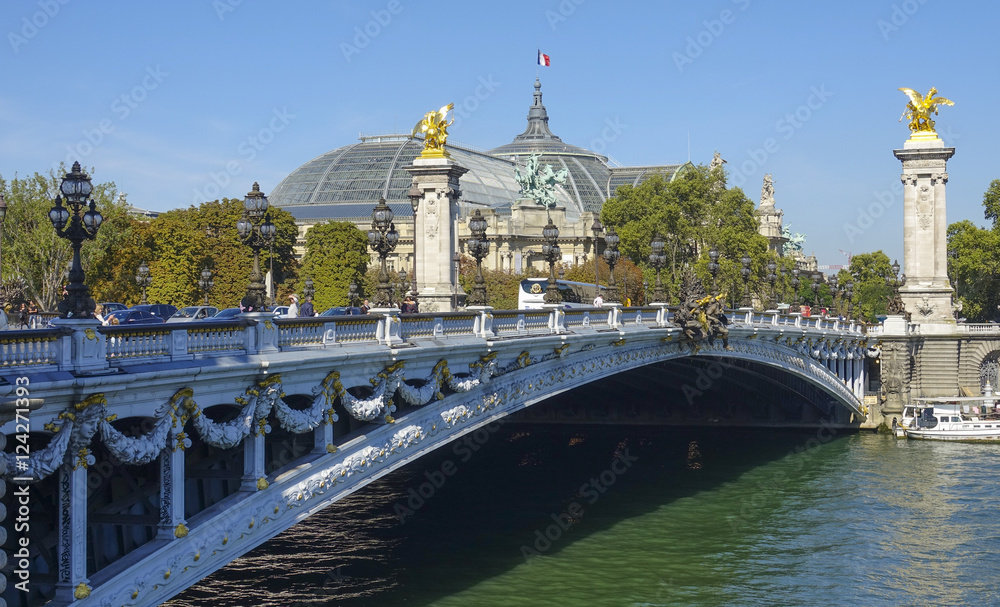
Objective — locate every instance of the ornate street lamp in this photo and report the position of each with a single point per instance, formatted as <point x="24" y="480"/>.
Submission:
<point x="772" y="278"/>
<point x="850" y="297"/>
<point x="205" y="283"/>
<point x="76" y="225"/>
<point x="815" y="289"/>
<point x="895" y="302"/>
<point x="596" y="228"/>
<point x="256" y="230"/>
<point x="745" y="273"/>
<point x="795" y="289"/>
<point x="352" y="294"/>
<point x="143" y="280"/>
<point x="414" y="195"/>
<point x="552" y="254"/>
<point x="479" y="247"/>
<point x="834" y="293"/>
<point x="3" y="214"/>
<point x="309" y="290"/>
<point x="645" y="292"/>
<point x="382" y="238"/>
<point x="713" y="268"/>
<point x="612" y="255"/>
<point x="658" y="260"/>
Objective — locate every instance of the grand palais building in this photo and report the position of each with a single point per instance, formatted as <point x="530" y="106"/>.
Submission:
<point x="344" y="184"/>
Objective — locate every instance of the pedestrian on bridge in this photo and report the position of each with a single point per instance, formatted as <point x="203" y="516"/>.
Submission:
<point x="307" y="310"/>
<point x="293" y="309"/>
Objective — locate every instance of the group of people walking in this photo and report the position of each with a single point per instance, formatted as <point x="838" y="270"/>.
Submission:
<point x="305" y="311"/>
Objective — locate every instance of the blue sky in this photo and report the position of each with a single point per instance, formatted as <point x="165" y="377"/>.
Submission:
<point x="188" y="100"/>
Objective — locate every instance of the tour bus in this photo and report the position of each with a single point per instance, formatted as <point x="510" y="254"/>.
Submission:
<point x="574" y="294"/>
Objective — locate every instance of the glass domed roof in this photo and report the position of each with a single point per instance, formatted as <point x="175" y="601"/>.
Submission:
<point x="346" y="182"/>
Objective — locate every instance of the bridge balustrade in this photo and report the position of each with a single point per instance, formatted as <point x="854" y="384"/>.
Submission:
<point x="33" y="347"/>
<point x="44" y="349"/>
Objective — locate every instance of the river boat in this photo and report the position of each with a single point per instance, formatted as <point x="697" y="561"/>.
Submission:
<point x="968" y="419"/>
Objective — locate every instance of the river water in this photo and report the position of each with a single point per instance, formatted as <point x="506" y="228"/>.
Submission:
<point x="549" y="515"/>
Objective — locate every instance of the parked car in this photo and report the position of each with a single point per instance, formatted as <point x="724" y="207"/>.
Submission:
<point x="133" y="317"/>
<point x="342" y="311"/>
<point x="113" y="307"/>
<point x="280" y="311"/>
<point x="192" y="313"/>
<point x="227" y="314"/>
<point x="163" y="311"/>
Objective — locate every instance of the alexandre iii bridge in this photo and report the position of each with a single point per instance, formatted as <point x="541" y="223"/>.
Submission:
<point x="140" y="459"/>
<point x="158" y="454"/>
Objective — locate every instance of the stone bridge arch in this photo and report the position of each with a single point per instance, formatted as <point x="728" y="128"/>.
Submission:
<point x="979" y="360"/>
<point x="402" y="402"/>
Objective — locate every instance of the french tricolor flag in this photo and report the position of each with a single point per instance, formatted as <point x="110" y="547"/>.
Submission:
<point x="543" y="59"/>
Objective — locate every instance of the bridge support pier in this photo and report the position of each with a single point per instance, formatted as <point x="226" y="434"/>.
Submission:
<point x="72" y="557"/>
<point x="323" y="437"/>
<point x="253" y="461"/>
<point x="172" y="523"/>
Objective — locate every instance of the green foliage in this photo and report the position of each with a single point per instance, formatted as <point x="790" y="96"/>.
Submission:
<point x="991" y="202"/>
<point x="692" y="213"/>
<point x="34" y="252"/>
<point x="974" y="268"/>
<point x="871" y="273"/>
<point x="336" y="254"/>
<point x="501" y="285"/>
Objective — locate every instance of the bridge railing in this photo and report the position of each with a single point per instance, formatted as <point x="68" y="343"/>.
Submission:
<point x="37" y="349"/>
<point x="92" y="347"/>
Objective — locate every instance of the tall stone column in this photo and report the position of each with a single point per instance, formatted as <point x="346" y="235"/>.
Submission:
<point x="435" y="221"/>
<point x="927" y="294"/>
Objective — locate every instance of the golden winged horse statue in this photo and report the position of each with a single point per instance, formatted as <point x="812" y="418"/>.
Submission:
<point x="434" y="126"/>
<point x="920" y="108"/>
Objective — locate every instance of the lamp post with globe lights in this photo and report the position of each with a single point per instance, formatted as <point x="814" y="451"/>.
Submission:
<point x="256" y="230"/>
<point x="815" y="289"/>
<point x="414" y="195"/>
<point x="895" y="282"/>
<point x="596" y="228"/>
<point x="479" y="247"/>
<point x="612" y="255"/>
<point x="658" y="260"/>
<point x="795" y="289"/>
<point x="713" y="268"/>
<point x="772" y="278"/>
<point x="76" y="225"/>
<point x="745" y="273"/>
<point x="382" y="238"/>
<point x="205" y="283"/>
<point x="834" y="293"/>
<point x="143" y="280"/>
<point x="849" y="293"/>
<point x="552" y="253"/>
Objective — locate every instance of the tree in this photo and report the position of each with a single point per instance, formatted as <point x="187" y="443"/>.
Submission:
<point x="34" y="252"/>
<point x="974" y="267"/>
<point x="336" y="254"/>
<point x="871" y="273"/>
<point x="692" y="213"/>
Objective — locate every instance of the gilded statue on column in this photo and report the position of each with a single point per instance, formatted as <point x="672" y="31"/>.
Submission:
<point x="434" y="126"/>
<point x="919" y="109"/>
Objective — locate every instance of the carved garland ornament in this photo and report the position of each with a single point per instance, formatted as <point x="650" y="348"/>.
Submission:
<point x="74" y="429"/>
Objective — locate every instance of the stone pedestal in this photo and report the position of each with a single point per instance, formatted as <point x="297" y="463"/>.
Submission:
<point x="927" y="294"/>
<point x="88" y="349"/>
<point x="435" y="225"/>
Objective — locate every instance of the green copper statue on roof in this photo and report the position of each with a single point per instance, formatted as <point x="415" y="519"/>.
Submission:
<point x="539" y="184"/>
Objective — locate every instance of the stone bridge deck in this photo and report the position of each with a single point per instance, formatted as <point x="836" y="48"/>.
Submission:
<point x="229" y="433"/>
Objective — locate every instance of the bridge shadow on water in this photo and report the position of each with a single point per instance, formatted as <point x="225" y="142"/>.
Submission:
<point x="484" y="505"/>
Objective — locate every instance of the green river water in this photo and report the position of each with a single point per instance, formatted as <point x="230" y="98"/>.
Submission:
<point x="618" y="516"/>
